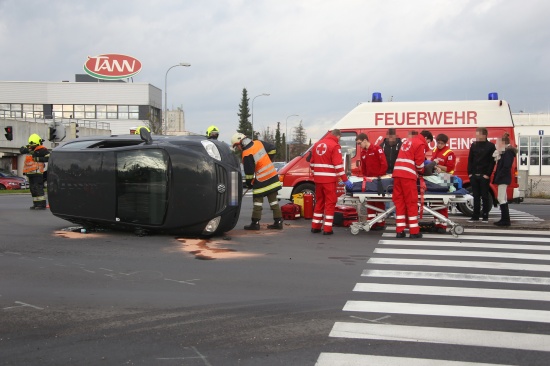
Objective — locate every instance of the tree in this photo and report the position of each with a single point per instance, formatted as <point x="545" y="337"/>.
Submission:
<point x="245" y="126"/>
<point x="299" y="145"/>
<point x="280" y="155"/>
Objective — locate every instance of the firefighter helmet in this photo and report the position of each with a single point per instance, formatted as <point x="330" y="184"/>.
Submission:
<point x="212" y="132"/>
<point x="34" y="139"/>
<point x="237" y="138"/>
<point x="137" y="131"/>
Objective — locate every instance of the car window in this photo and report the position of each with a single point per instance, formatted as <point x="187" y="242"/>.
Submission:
<point x="348" y="144"/>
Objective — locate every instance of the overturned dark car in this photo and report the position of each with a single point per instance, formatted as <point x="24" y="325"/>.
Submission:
<point x="166" y="184"/>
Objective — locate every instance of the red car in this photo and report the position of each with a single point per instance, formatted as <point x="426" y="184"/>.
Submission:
<point x="11" y="181"/>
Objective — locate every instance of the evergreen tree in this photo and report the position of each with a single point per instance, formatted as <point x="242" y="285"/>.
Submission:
<point x="280" y="155"/>
<point x="299" y="145"/>
<point x="245" y="126"/>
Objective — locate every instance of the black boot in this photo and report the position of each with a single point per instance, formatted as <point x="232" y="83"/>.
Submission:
<point x="254" y="225"/>
<point x="277" y="224"/>
<point x="505" y="216"/>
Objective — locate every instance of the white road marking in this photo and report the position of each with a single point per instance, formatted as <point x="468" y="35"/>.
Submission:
<point x="457" y="276"/>
<point x="22" y="304"/>
<point x="106" y="269"/>
<point x="522" y="315"/>
<point x="453" y="291"/>
<point x="509" y="232"/>
<point x="464" y="337"/>
<point x="350" y="359"/>
<point x="476" y="237"/>
<point x="466" y="264"/>
<point x="427" y="243"/>
<point x="187" y="282"/>
<point x="463" y="253"/>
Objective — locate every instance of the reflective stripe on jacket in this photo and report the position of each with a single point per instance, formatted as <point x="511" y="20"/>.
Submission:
<point x="257" y="164"/>
<point x="32" y="166"/>
<point x="445" y="157"/>
<point x="410" y="161"/>
<point x="326" y="161"/>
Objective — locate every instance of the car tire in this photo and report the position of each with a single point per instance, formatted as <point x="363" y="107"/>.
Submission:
<point x="305" y="188"/>
<point x="468" y="208"/>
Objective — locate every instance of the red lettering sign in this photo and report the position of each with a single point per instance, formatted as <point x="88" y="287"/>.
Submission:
<point x="112" y="66"/>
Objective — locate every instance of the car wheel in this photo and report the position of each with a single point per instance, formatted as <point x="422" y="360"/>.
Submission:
<point x="2" y="187"/>
<point x="305" y="188"/>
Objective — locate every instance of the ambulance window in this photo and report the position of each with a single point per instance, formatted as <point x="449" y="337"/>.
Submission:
<point x="348" y="144"/>
<point x="141" y="186"/>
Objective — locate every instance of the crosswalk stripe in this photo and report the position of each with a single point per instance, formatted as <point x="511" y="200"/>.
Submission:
<point x="465" y="337"/>
<point x="453" y="291"/>
<point x="465" y="244"/>
<point x="350" y="359"/>
<point x="448" y="276"/>
<point x="508" y="231"/>
<point x="475" y="237"/>
<point x="465" y="264"/>
<point x="464" y="253"/>
<point x="525" y="315"/>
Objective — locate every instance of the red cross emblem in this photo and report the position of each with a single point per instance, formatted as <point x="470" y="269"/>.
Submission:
<point x="321" y="149"/>
<point x="406" y="145"/>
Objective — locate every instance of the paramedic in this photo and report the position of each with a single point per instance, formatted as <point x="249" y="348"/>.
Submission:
<point x="35" y="162"/>
<point x="373" y="164"/>
<point x="445" y="160"/>
<point x="212" y="132"/>
<point x="408" y="166"/>
<point x="391" y="146"/>
<point x="327" y="167"/>
<point x="261" y="176"/>
<point x="480" y="166"/>
<point x="504" y="156"/>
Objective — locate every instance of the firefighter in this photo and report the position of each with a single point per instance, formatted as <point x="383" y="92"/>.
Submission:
<point x="408" y="166"/>
<point x="212" y="132"/>
<point x="328" y="168"/>
<point x="261" y="176"/>
<point x="35" y="162"/>
<point x="445" y="160"/>
<point x="373" y="164"/>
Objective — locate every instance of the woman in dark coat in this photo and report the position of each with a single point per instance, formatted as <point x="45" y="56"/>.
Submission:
<point x="504" y="157"/>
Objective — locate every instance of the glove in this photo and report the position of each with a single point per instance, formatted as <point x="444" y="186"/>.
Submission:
<point x="349" y="185"/>
<point x="23" y="150"/>
<point x="249" y="183"/>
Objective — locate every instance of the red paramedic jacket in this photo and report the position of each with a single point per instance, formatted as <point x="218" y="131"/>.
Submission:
<point x="411" y="157"/>
<point x="326" y="161"/>
<point x="373" y="161"/>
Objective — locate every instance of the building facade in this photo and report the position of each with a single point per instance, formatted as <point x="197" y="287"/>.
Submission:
<point x="533" y="139"/>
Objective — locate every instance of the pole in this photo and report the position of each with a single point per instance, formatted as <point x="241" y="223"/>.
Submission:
<point x="252" y="113"/>
<point x="165" y="128"/>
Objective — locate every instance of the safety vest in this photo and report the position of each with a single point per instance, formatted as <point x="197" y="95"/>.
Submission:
<point x="32" y="166"/>
<point x="266" y="179"/>
<point x="445" y="157"/>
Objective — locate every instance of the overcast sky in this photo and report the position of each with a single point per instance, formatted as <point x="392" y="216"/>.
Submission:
<point x="317" y="58"/>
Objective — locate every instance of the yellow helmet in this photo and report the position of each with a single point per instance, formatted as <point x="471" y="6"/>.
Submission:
<point x="139" y="129"/>
<point x="34" y="139"/>
<point x="212" y="132"/>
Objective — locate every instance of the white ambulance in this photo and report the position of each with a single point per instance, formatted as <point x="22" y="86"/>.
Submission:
<point x="456" y="119"/>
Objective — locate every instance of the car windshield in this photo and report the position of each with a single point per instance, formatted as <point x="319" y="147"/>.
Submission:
<point x="6" y="174"/>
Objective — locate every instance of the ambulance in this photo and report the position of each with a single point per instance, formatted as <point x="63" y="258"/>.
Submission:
<point x="456" y="119"/>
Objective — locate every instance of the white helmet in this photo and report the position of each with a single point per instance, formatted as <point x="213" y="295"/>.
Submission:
<point x="237" y="138"/>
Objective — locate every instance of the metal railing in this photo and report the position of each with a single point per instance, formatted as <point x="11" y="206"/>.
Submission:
<point x="39" y="117"/>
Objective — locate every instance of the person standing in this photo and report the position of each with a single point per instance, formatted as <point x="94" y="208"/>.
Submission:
<point x="261" y="176"/>
<point x="480" y="166"/>
<point x="445" y="160"/>
<point x="35" y="162"/>
<point x="504" y="156"/>
<point x="212" y="132"/>
<point x="408" y="166"/>
<point x="391" y="146"/>
<point x="373" y="164"/>
<point x="328" y="168"/>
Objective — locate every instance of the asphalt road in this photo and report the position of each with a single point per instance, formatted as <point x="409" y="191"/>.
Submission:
<point x="263" y="298"/>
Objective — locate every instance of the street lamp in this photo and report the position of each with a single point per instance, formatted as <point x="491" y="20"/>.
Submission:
<point x="286" y="136"/>
<point x="166" y="93"/>
<point x="252" y="113"/>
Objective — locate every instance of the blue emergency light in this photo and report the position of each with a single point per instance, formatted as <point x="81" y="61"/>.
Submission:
<point x="376" y="97"/>
<point x="493" y="96"/>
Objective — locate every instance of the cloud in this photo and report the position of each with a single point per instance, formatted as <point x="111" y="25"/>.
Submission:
<point x="316" y="58"/>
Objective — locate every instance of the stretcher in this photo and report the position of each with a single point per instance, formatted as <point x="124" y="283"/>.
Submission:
<point x="429" y="202"/>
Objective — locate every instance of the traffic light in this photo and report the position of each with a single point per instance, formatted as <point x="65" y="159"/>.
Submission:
<point x="9" y="133"/>
<point x="52" y="133"/>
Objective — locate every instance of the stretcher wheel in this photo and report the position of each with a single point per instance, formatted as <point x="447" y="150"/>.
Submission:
<point x="457" y="230"/>
<point x="354" y="230"/>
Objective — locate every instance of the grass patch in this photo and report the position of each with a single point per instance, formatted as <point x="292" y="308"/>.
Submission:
<point x="14" y="191"/>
